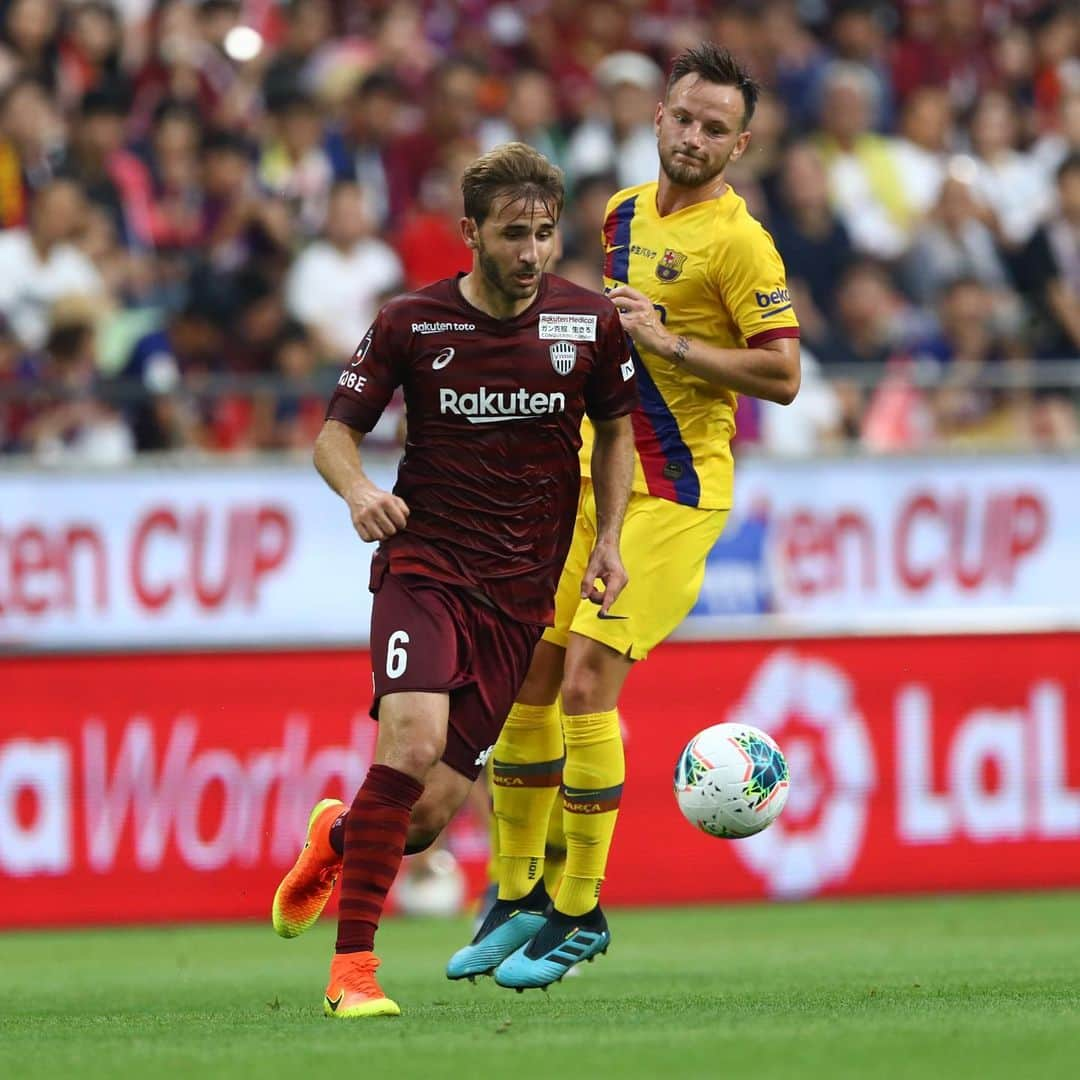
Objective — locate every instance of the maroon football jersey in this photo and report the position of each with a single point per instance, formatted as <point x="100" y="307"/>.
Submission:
<point x="490" y="472"/>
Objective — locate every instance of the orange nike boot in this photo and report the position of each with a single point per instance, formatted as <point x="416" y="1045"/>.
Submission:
<point x="305" y="889"/>
<point x="352" y="990"/>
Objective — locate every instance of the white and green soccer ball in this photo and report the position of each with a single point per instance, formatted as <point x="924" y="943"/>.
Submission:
<point x="731" y="781"/>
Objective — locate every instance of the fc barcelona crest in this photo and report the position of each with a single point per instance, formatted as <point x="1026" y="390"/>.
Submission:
<point x="563" y="356"/>
<point x="670" y="265"/>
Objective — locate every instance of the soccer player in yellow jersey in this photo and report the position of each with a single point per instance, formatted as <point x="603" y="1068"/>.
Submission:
<point x="701" y="292"/>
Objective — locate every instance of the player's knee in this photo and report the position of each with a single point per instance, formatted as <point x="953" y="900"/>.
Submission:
<point x="582" y="692"/>
<point x="417" y="757"/>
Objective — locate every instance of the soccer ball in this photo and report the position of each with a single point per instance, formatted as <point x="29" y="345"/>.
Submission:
<point x="731" y="781"/>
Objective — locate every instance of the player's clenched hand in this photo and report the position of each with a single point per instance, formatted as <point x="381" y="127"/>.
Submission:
<point x="605" y="564"/>
<point x="640" y="319"/>
<point x="376" y="514"/>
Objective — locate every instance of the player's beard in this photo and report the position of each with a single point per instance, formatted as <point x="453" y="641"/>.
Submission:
<point x="505" y="283"/>
<point x="691" y="176"/>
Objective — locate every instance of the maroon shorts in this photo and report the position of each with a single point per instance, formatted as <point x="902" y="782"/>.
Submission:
<point x="430" y="636"/>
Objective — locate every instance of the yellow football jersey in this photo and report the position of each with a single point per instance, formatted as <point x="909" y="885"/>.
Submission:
<point x="714" y="275"/>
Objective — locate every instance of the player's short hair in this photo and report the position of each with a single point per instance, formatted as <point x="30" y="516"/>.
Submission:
<point x="718" y="65"/>
<point x="513" y="169"/>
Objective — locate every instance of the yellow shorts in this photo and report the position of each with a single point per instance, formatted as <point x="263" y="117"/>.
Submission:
<point x="664" y="546"/>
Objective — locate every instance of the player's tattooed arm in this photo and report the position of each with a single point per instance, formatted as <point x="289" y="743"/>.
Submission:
<point x="376" y="514"/>
<point x="612" y="474"/>
<point x="770" y="371"/>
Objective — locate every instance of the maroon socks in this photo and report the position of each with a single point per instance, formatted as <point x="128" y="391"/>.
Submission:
<point x="374" y="843"/>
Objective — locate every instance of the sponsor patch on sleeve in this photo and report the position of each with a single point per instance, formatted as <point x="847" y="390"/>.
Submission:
<point x="559" y="325"/>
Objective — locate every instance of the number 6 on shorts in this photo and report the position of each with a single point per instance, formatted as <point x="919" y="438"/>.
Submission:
<point x="397" y="658"/>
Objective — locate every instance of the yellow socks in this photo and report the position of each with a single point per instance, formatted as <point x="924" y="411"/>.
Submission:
<point x="525" y="778"/>
<point x="592" y="786"/>
<point x="554" y="851"/>
<point x="493" y="831"/>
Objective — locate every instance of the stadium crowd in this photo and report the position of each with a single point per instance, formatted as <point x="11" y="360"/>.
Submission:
<point x="203" y="202"/>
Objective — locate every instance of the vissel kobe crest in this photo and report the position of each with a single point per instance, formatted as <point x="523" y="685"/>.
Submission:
<point x="563" y="356"/>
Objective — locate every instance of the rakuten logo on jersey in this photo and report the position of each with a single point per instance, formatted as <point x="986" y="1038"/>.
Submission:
<point x="486" y="406"/>
<point x="443" y="327"/>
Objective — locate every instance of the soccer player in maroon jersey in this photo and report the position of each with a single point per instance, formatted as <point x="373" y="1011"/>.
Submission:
<point x="498" y="367"/>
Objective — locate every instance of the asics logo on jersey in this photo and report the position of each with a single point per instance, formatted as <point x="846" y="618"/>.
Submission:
<point x="441" y="327"/>
<point x="486" y="406"/>
<point x="442" y="359"/>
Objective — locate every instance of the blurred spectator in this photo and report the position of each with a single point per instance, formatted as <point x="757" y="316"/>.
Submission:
<point x="339" y="282"/>
<point x="238" y="223"/>
<point x="176" y="196"/>
<point x="256" y="314"/>
<point x="308" y="25"/>
<point x="1056" y="39"/>
<point x="529" y="116"/>
<point x="756" y="174"/>
<point x="32" y="146"/>
<point x="1063" y="138"/>
<point x="813" y="422"/>
<point x="30" y="39"/>
<point x="943" y="45"/>
<point x="294" y="165"/>
<point x="873" y="322"/>
<point x="956" y="241"/>
<point x="90" y="50"/>
<point x="1048" y="269"/>
<point x="923" y="146"/>
<point x="42" y="264"/>
<point x="188" y="61"/>
<point x="971" y="338"/>
<point x="798" y="61"/>
<point x="1010" y="183"/>
<point x="168" y="364"/>
<point x="621" y="141"/>
<point x="582" y="222"/>
<point x="858" y="33"/>
<point x="111" y="176"/>
<point x="868" y="189"/>
<point x="429" y="242"/>
<point x="70" y="424"/>
<point x="291" y="419"/>
<point x="16" y="374"/>
<point x="372" y="120"/>
<point x="451" y="118"/>
<point x="811" y="240"/>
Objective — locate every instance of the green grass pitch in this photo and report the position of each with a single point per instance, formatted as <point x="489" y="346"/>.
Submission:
<point x="979" y="987"/>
